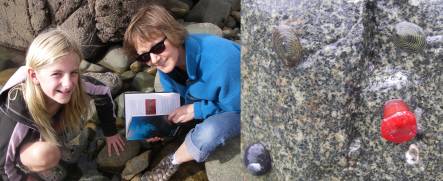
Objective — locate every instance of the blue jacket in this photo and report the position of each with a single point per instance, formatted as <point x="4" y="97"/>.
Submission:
<point x="213" y="68"/>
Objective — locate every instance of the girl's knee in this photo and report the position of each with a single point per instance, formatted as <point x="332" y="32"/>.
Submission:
<point x="39" y="156"/>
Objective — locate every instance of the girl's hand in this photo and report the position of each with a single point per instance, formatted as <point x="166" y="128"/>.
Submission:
<point x="182" y="114"/>
<point x="115" y="142"/>
<point x="154" y="139"/>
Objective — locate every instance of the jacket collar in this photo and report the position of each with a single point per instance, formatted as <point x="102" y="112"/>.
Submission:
<point x="13" y="104"/>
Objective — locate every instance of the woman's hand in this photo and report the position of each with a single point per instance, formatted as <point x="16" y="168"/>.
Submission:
<point x="182" y="114"/>
<point x="115" y="142"/>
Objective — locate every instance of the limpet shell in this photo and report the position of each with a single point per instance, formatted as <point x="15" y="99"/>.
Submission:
<point x="287" y="45"/>
<point x="412" y="155"/>
<point x="257" y="159"/>
<point x="409" y="36"/>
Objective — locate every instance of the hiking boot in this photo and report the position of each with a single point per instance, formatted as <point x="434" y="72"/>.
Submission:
<point x="162" y="172"/>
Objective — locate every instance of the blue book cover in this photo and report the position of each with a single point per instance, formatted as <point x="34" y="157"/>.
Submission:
<point x="143" y="127"/>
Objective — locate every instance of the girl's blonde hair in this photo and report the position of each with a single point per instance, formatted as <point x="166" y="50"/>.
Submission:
<point x="149" y="22"/>
<point x="46" y="49"/>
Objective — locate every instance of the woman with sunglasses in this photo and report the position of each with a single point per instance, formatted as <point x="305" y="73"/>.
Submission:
<point x="204" y="69"/>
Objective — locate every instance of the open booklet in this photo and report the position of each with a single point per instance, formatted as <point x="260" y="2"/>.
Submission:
<point x="146" y="114"/>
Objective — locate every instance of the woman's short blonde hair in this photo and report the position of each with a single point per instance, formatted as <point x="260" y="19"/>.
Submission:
<point x="150" y="22"/>
<point x="45" y="49"/>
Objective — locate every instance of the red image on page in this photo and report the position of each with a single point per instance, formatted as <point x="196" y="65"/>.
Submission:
<point x="150" y="106"/>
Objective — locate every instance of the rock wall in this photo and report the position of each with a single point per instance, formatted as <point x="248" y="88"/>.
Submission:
<point x="319" y="112"/>
<point x="98" y="24"/>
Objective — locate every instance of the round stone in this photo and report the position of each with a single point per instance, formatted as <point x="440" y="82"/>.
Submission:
<point x="257" y="159"/>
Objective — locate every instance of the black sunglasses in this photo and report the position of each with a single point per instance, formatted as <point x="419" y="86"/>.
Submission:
<point x="156" y="49"/>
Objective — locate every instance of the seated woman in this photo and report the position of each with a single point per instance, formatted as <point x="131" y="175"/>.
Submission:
<point x="204" y="69"/>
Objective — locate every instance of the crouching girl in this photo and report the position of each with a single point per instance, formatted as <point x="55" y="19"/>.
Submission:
<point x="42" y="107"/>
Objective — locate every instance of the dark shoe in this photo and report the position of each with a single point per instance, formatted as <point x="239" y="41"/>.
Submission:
<point x="162" y="172"/>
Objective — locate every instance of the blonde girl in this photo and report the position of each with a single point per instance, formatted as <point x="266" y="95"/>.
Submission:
<point x="42" y="107"/>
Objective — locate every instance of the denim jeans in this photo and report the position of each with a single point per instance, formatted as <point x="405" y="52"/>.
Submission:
<point x="214" y="131"/>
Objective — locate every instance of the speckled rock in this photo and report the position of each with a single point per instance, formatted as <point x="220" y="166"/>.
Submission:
<point x="79" y="24"/>
<point x="113" y="17"/>
<point x="322" y="117"/>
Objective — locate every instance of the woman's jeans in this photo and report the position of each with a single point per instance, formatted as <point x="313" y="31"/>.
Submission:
<point x="214" y="131"/>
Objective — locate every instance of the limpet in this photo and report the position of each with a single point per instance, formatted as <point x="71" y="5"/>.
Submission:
<point x="287" y="45"/>
<point x="412" y="155"/>
<point x="257" y="159"/>
<point x="409" y="36"/>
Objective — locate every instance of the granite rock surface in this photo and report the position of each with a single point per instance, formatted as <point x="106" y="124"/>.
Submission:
<point x="320" y="119"/>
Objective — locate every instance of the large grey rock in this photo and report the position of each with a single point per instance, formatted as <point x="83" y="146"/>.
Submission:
<point x="178" y="8"/>
<point x="211" y="11"/>
<point x="115" y="60"/>
<point x="20" y="24"/>
<point x="61" y="9"/>
<point x="113" y="17"/>
<point x="38" y="15"/>
<point x="321" y="118"/>
<point x="225" y="163"/>
<point x="414" y="77"/>
<point x="81" y="26"/>
<point x="204" y="28"/>
<point x="92" y="23"/>
<point x="136" y="165"/>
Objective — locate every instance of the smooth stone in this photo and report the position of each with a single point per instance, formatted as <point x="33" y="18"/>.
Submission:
<point x="204" y="28"/>
<point x="143" y="81"/>
<point x="136" y="165"/>
<point x="225" y="163"/>
<point x="114" y="163"/>
<point x="115" y="60"/>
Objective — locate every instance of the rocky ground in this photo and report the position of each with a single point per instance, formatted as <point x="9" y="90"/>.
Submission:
<point x="139" y="156"/>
